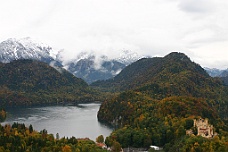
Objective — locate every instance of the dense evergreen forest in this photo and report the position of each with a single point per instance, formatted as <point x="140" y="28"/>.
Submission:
<point x="160" y="96"/>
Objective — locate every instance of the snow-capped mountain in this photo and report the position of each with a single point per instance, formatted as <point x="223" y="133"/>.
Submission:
<point x="25" y="48"/>
<point x="127" y="57"/>
<point x="87" y="65"/>
<point x="91" y="67"/>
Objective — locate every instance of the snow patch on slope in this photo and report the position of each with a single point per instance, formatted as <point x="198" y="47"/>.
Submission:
<point x="25" y="48"/>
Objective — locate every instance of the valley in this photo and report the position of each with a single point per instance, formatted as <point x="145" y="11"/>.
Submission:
<point x="151" y="101"/>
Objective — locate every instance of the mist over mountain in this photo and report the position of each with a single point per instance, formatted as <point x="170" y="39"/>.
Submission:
<point x="89" y="66"/>
<point x="92" y="67"/>
<point x="90" y="71"/>
<point x="86" y="65"/>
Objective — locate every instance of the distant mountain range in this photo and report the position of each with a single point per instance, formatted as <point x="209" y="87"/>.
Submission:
<point x="92" y="67"/>
<point x="217" y="72"/>
<point x="223" y="74"/>
<point x="87" y="66"/>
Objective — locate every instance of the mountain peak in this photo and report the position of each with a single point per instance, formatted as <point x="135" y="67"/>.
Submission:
<point x="178" y="55"/>
<point x="160" y="70"/>
<point x="25" y="48"/>
<point x="127" y="57"/>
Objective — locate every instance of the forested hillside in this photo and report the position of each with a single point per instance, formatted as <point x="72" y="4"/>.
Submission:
<point x="28" y="82"/>
<point x="161" y="98"/>
<point x="20" y="138"/>
<point x="173" y="75"/>
<point x="173" y="72"/>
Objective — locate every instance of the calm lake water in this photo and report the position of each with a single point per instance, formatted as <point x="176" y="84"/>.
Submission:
<point x="78" y="121"/>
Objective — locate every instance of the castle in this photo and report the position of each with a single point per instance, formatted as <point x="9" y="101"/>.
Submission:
<point x="204" y="129"/>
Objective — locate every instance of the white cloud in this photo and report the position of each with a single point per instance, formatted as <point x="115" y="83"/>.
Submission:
<point x="107" y="27"/>
<point x="214" y="55"/>
<point x="197" y="6"/>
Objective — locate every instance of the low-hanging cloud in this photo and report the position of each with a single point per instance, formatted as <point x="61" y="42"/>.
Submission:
<point x="197" y="6"/>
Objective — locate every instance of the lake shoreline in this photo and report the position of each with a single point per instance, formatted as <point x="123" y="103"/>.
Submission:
<point x="79" y="120"/>
<point x="52" y="104"/>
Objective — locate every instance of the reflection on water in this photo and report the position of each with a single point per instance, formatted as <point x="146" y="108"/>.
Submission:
<point x="79" y="121"/>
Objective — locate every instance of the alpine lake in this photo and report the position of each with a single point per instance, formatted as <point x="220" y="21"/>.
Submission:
<point x="79" y="121"/>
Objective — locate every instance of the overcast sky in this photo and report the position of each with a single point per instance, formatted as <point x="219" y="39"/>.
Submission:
<point x="198" y="28"/>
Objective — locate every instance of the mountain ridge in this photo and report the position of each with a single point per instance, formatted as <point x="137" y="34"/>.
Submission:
<point x="25" y="48"/>
<point x="31" y="82"/>
<point x="149" y="69"/>
<point x="92" y="68"/>
<point x="214" y="72"/>
<point x="172" y="75"/>
<point x="96" y="67"/>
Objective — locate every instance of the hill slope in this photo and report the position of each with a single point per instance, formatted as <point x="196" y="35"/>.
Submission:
<point x="175" y="74"/>
<point x="27" y="82"/>
<point x="161" y="95"/>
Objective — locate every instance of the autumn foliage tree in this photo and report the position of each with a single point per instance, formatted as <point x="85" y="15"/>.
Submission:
<point x="100" y="139"/>
<point x="18" y="137"/>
